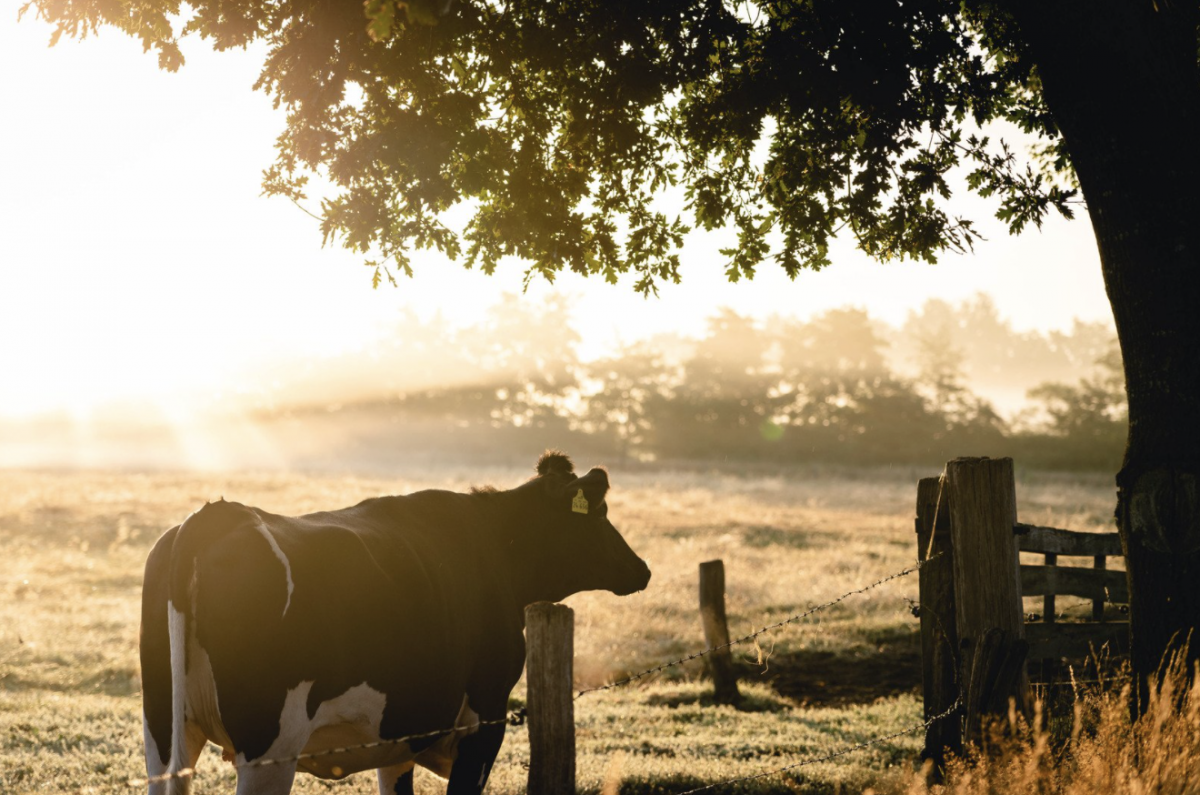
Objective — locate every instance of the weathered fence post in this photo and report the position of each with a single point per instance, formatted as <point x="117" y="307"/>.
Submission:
<point x="550" y="651"/>
<point x="939" y="634"/>
<point x="1049" y="665"/>
<point x="1100" y="562"/>
<point x="987" y="587"/>
<point x="716" y="632"/>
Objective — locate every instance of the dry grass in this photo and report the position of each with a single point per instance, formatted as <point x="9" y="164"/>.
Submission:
<point x="1102" y="752"/>
<point x="72" y="547"/>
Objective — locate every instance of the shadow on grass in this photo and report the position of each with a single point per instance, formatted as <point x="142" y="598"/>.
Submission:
<point x="784" y="784"/>
<point x="763" y="536"/>
<point x="751" y="702"/>
<point x="838" y="679"/>
<point x="107" y="682"/>
<point x="759" y="536"/>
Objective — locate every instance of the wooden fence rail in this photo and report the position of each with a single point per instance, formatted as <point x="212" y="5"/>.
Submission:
<point x="1033" y="538"/>
<point x="1096" y="584"/>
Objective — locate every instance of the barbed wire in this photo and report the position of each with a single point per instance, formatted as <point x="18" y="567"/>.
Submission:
<point x="827" y="757"/>
<point x="515" y="717"/>
<point x="758" y="632"/>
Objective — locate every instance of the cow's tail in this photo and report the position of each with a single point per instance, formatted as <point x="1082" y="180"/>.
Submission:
<point x="180" y="778"/>
<point x="195" y="535"/>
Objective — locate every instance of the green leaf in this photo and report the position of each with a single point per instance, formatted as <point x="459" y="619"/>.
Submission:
<point x="381" y="16"/>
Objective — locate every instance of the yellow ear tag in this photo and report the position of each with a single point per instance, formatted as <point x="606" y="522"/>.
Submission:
<point x="579" y="504"/>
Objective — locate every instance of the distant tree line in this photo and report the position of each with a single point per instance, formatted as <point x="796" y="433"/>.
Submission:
<point x="839" y="387"/>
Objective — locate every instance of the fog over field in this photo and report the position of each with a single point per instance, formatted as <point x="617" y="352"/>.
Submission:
<point x="840" y="386"/>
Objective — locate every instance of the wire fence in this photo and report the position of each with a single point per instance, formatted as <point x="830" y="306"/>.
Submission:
<point x="517" y="717"/>
<point x="513" y="718"/>
<point x="630" y="679"/>
<point x="814" y="760"/>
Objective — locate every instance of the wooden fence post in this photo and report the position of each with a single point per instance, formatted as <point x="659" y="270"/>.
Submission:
<point x="987" y="587"/>
<point x="1101" y="563"/>
<point x="939" y="630"/>
<point x="716" y="632"/>
<point x="550" y="651"/>
<point x="1049" y="665"/>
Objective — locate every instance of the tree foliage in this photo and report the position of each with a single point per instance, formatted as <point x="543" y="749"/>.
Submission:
<point x="559" y="124"/>
<point x="831" y="388"/>
<point x="1095" y="408"/>
<point x="628" y="386"/>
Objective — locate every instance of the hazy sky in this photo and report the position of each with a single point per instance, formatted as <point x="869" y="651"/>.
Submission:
<point x="137" y="258"/>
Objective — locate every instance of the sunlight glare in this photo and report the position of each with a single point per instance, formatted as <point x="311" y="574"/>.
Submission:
<point x="141" y="262"/>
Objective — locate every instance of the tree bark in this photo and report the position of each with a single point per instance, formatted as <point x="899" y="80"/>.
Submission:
<point x="1121" y="80"/>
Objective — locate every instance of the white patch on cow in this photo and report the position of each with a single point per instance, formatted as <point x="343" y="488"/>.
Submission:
<point x="287" y="566"/>
<point x="351" y="719"/>
<point x="294" y="725"/>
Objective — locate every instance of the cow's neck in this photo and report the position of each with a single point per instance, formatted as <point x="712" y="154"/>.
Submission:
<point x="531" y="575"/>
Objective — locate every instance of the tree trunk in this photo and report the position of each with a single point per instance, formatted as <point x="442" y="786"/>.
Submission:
<point x="1121" y="80"/>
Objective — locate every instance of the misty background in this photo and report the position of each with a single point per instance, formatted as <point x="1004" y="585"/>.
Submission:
<point x="838" y="387"/>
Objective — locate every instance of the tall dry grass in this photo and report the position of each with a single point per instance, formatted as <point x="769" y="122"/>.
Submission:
<point x="1105" y="751"/>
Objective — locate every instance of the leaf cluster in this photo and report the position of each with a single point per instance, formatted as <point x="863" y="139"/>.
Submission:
<point x="560" y="125"/>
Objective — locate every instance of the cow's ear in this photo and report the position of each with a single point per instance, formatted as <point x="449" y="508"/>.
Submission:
<point x="587" y="493"/>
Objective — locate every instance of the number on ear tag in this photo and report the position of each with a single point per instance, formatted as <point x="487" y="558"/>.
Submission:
<point x="579" y="504"/>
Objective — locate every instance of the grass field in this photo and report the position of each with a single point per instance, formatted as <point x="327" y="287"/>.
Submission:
<point x="72" y="546"/>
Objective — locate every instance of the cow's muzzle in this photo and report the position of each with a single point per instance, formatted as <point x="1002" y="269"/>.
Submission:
<point x="638" y="579"/>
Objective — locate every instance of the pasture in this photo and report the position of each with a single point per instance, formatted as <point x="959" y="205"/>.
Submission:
<point x="72" y="546"/>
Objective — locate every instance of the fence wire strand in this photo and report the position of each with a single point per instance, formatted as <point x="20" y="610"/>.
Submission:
<point x="517" y="717"/>
<point x="755" y="634"/>
<point x="514" y="718"/>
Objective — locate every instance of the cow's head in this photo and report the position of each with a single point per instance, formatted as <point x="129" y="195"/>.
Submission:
<point x="579" y="549"/>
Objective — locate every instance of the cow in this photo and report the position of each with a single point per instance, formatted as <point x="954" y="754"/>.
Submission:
<point x="330" y="635"/>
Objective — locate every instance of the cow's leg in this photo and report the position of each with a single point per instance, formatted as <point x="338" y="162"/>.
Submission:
<point x="156" y="767"/>
<point x="396" y="780"/>
<point x="473" y="765"/>
<point x="266" y="779"/>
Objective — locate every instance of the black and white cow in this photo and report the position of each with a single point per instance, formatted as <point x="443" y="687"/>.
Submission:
<point x="277" y="636"/>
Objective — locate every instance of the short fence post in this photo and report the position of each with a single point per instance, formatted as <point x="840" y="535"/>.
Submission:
<point x="550" y="650"/>
<point x="939" y="630"/>
<point x="1049" y="665"/>
<point x="716" y="632"/>
<point x="1100" y="562"/>
<point x="987" y="587"/>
